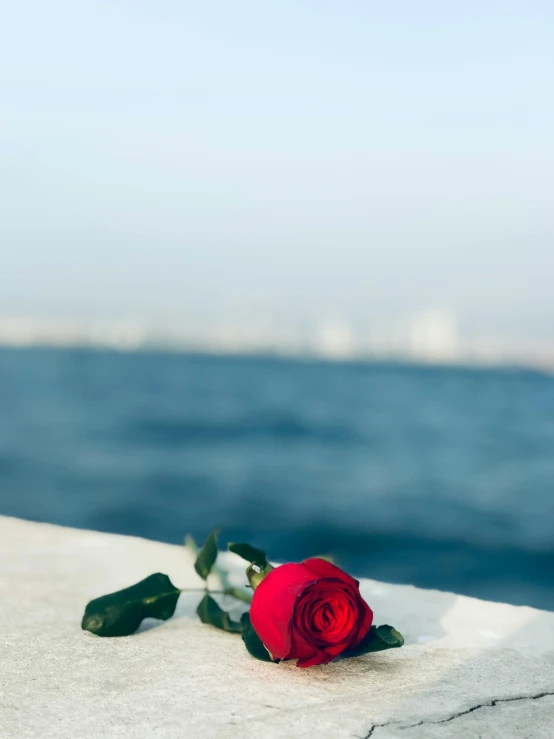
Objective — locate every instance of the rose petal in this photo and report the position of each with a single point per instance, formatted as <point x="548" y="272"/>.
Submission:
<point x="299" y="647"/>
<point x="329" y="612"/>
<point x="273" y="604"/>
<point x="328" y="570"/>
<point x="320" y="658"/>
<point x="366" y="620"/>
<point x="322" y="568"/>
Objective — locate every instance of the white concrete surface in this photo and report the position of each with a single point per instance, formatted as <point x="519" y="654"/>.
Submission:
<point x="469" y="668"/>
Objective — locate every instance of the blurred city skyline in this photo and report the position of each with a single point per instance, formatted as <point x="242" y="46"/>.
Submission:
<point x="362" y="179"/>
<point x="430" y="337"/>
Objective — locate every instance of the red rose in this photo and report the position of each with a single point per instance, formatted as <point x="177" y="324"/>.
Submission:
<point x="311" y="612"/>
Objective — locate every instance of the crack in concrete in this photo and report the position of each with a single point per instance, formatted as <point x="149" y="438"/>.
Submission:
<point x="488" y="704"/>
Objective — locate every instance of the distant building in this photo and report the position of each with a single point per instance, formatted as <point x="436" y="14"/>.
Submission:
<point x="434" y="337"/>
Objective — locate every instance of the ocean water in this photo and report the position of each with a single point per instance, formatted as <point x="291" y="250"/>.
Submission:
<point x="443" y="478"/>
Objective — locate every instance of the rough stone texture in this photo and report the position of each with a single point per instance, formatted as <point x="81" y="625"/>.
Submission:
<point x="469" y="668"/>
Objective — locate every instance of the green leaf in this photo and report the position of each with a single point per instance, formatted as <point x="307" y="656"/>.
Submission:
<point x="121" y="613"/>
<point x="378" y="639"/>
<point x="190" y="544"/>
<point x="252" y="641"/>
<point x="390" y="636"/>
<point x="249" y="553"/>
<point x="207" y="555"/>
<point x="211" y="613"/>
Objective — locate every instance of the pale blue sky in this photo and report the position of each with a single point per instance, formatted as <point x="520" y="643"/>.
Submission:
<point x="296" y="159"/>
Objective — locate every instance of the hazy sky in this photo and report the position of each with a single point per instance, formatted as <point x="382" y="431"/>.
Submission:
<point x="297" y="158"/>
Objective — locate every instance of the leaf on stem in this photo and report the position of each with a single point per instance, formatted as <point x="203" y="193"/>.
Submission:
<point x="207" y="555"/>
<point x="249" y="553"/>
<point x="211" y="613"/>
<point x="121" y="613"/>
<point x="252" y="641"/>
<point x="190" y="544"/>
<point x="377" y="639"/>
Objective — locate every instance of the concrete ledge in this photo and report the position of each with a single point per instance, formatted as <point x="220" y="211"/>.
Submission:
<point x="469" y="668"/>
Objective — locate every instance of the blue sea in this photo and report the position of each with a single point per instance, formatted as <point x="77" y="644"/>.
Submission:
<point x="440" y="477"/>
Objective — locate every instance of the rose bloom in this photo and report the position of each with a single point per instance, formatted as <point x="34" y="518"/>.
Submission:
<point x="311" y="612"/>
